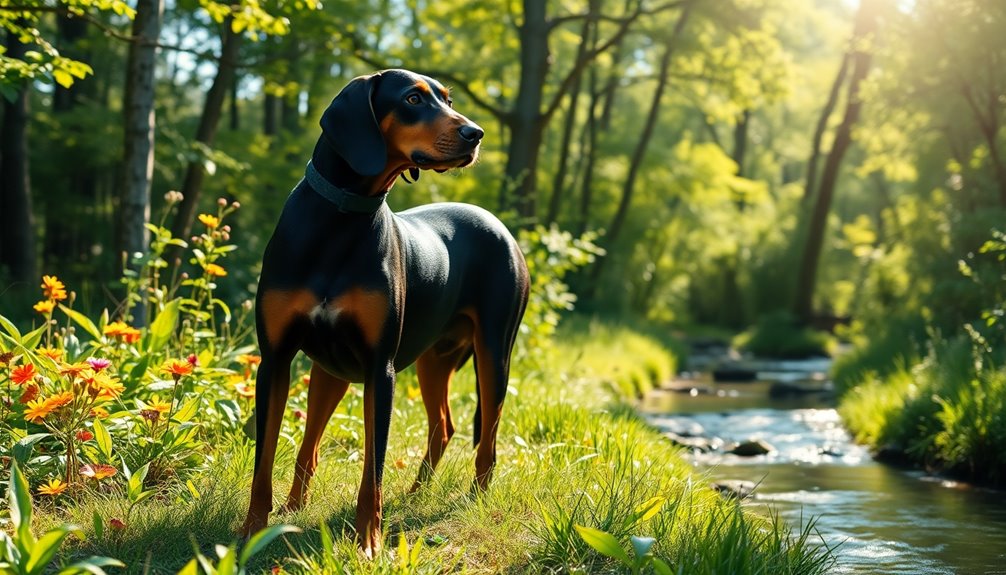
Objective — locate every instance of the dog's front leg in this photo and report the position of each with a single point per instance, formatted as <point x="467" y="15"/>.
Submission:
<point x="272" y="388"/>
<point x="379" y="390"/>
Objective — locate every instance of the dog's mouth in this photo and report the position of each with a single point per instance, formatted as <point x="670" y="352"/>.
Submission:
<point x="425" y="161"/>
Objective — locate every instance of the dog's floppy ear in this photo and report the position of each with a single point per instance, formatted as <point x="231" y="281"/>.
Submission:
<point x="350" y="126"/>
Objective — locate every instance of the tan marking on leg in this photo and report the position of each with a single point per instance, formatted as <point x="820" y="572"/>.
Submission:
<point x="280" y="308"/>
<point x="491" y="407"/>
<point x="368" y="308"/>
<point x="435" y="372"/>
<point x="323" y="396"/>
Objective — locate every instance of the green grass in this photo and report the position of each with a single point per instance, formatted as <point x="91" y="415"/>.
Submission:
<point x="570" y="453"/>
<point x="944" y="412"/>
<point x="780" y="336"/>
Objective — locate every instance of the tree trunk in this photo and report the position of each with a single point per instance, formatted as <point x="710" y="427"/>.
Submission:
<point x="235" y="111"/>
<point x="559" y="182"/>
<point x="866" y="21"/>
<point x="628" y="188"/>
<point x="207" y="131"/>
<point x="525" y="121"/>
<point x="17" y="227"/>
<point x="822" y="125"/>
<point x="140" y="121"/>
<point x="270" y="103"/>
<point x="587" y="185"/>
<point x="741" y="141"/>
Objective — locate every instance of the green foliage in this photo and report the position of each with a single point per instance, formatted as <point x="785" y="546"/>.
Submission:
<point x="780" y="335"/>
<point x="21" y="553"/>
<point x="551" y="254"/>
<point x="231" y="560"/>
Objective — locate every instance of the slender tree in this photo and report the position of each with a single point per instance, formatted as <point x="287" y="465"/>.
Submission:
<point x="17" y="226"/>
<point x="864" y="33"/>
<point x="139" y="120"/>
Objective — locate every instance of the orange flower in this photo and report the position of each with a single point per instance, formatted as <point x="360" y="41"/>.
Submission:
<point x="50" y="352"/>
<point x="53" y="488"/>
<point x="37" y="410"/>
<point x="84" y="435"/>
<point x="53" y="289"/>
<point x="116" y="328"/>
<point x="245" y="390"/>
<point x="249" y="360"/>
<point x="97" y="471"/>
<point x="209" y="221"/>
<point x="30" y="393"/>
<point x="120" y="329"/>
<point x="177" y="368"/>
<point x="59" y="400"/>
<point x="45" y="306"/>
<point x="215" y="270"/>
<point x="98" y="412"/>
<point x="23" y="374"/>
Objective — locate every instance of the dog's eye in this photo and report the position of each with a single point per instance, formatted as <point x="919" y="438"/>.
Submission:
<point x="413" y="99"/>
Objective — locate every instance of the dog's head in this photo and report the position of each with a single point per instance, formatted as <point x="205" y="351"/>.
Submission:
<point x="396" y="120"/>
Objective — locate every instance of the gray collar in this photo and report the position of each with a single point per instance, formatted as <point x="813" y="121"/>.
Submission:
<point x="343" y="199"/>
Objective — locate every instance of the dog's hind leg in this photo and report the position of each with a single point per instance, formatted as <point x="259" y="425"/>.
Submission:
<point x="435" y="370"/>
<point x="323" y="395"/>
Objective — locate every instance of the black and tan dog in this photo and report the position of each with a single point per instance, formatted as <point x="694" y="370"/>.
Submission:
<point x="365" y="292"/>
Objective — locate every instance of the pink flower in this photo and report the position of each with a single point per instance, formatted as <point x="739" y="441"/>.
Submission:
<point x="98" y="363"/>
<point x="192" y="359"/>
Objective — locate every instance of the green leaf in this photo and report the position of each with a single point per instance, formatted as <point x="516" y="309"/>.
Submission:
<point x="191" y="568"/>
<point x="186" y="412"/>
<point x="62" y="78"/>
<point x="163" y="326"/>
<point x="135" y="485"/>
<point x="83" y="321"/>
<point x="228" y="562"/>
<point x="660" y="567"/>
<point x="46" y="547"/>
<point x="91" y="565"/>
<point x="20" y="504"/>
<point x="604" y="543"/>
<point x="99" y="524"/>
<point x="103" y="438"/>
<point x="23" y="448"/>
<point x="10" y="328"/>
<point x="645" y="510"/>
<point x="192" y="489"/>
<point x="327" y="544"/>
<point x="263" y="538"/>
<point x="33" y="338"/>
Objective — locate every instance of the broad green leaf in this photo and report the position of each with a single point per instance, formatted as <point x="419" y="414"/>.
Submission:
<point x="163" y="326"/>
<point x="33" y="338"/>
<point x="91" y="565"/>
<point x="103" y="438"/>
<point x="263" y="538"/>
<point x="99" y="524"/>
<point x="135" y="485"/>
<point x="186" y="412"/>
<point x="228" y="560"/>
<point x="191" y="568"/>
<point x="23" y="448"/>
<point x="327" y="544"/>
<point x="83" y="321"/>
<point x="660" y="567"/>
<point x="604" y="543"/>
<point x="9" y="326"/>
<point x="20" y="504"/>
<point x="47" y="546"/>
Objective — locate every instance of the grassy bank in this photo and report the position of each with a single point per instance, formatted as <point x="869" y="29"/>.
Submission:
<point x="570" y="453"/>
<point x="946" y="412"/>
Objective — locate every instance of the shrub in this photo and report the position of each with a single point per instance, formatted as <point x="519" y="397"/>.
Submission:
<point x="779" y="335"/>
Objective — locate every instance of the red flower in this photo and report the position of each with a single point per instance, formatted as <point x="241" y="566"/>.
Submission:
<point x="193" y="360"/>
<point x="98" y="471"/>
<point x="116" y="523"/>
<point x="22" y="374"/>
<point x="84" y="435"/>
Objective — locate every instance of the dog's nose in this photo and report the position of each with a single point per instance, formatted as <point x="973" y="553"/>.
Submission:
<point x="471" y="132"/>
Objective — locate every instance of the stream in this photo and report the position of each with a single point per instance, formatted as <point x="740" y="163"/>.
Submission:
<point x="883" y="519"/>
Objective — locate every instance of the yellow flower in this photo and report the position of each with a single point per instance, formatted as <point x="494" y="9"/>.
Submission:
<point x="209" y="221"/>
<point x="99" y="412"/>
<point x="116" y="329"/>
<point x="156" y="404"/>
<point x="215" y="270"/>
<point x="53" y="488"/>
<point x="105" y="385"/>
<point x="45" y="306"/>
<point x="245" y="389"/>
<point x="74" y="369"/>
<point x="37" y="410"/>
<point x="53" y="289"/>
<point x="50" y="352"/>
<point x="249" y="360"/>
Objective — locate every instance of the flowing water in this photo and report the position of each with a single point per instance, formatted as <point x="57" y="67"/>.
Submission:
<point x="881" y="518"/>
